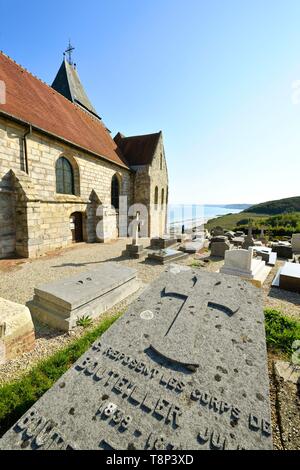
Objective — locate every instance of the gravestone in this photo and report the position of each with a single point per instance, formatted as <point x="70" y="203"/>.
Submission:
<point x="184" y="368"/>
<point x="288" y="277"/>
<point x="17" y="334"/>
<point x="218" y="249"/>
<point x="230" y="234"/>
<point x="267" y="255"/>
<point x="249" y="240"/>
<point x="217" y="231"/>
<point x="296" y="243"/>
<point x="61" y="303"/>
<point x="161" y="243"/>
<point x="193" y="246"/>
<point x="135" y="249"/>
<point x="242" y="263"/>
<point x="283" y="250"/>
<point x="237" y="241"/>
<point x="166" y="256"/>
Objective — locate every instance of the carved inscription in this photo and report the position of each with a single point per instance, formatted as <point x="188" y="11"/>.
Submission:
<point x="37" y="432"/>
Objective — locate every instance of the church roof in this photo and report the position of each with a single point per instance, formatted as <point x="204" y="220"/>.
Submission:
<point x="140" y="149"/>
<point x="68" y="84"/>
<point x="32" y="101"/>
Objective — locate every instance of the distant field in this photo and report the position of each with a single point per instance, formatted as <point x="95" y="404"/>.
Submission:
<point x="230" y="221"/>
<point x="277" y="226"/>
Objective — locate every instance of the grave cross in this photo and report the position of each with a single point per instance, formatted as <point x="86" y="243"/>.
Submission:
<point x="136" y="224"/>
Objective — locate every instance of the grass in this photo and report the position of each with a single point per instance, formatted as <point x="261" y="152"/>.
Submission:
<point x="275" y="226"/>
<point x="231" y="221"/>
<point x="281" y="332"/>
<point x="195" y="264"/>
<point x="18" y="396"/>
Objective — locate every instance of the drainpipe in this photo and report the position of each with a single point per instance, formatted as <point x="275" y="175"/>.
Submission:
<point x="29" y="132"/>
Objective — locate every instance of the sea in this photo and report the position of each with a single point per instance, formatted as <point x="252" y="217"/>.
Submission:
<point x="194" y="215"/>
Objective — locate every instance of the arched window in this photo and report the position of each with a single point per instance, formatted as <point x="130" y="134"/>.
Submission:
<point x="162" y="196"/>
<point x="156" y="196"/>
<point x="161" y="161"/>
<point x="64" y="177"/>
<point x="115" y="192"/>
<point x="167" y="195"/>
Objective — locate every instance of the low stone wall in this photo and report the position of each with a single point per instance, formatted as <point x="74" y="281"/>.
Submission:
<point x="16" y="330"/>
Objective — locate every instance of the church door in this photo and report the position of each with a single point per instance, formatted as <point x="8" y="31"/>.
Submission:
<point x="76" y="227"/>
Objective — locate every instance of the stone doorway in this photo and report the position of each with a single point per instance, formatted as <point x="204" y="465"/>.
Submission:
<point x="76" y="224"/>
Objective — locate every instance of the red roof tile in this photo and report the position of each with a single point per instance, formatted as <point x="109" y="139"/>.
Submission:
<point x="30" y="100"/>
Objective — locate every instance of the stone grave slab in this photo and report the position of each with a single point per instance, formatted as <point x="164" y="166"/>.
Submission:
<point x="238" y="241"/>
<point x="283" y="250"/>
<point x="241" y="263"/>
<point x="192" y="246"/>
<point x="61" y="303"/>
<point x="288" y="277"/>
<point x="184" y="368"/>
<point x="267" y="255"/>
<point x="160" y="243"/>
<point x="166" y="256"/>
<point x="17" y="334"/>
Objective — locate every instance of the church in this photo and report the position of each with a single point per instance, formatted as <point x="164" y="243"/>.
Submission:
<point x="59" y="164"/>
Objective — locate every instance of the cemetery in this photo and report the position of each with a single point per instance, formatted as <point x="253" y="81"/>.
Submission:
<point x="170" y="317"/>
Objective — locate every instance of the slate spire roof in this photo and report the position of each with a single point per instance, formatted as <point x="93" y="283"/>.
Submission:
<point x="68" y="84"/>
<point x="31" y="101"/>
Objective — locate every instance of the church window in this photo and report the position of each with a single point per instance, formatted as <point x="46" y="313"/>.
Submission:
<point x="156" y="196"/>
<point x="161" y="161"/>
<point x="115" y="192"/>
<point x="162" y="196"/>
<point x="64" y="177"/>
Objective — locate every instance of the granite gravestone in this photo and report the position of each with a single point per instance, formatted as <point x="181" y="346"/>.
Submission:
<point x="184" y="368"/>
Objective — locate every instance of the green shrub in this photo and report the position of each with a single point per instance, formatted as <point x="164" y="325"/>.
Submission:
<point x="18" y="396"/>
<point x="281" y="331"/>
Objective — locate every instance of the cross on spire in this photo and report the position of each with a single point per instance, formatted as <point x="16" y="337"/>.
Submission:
<point x="69" y="51"/>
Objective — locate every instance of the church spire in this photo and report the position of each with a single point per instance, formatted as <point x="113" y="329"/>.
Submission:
<point x="69" y="51"/>
<point x="68" y="84"/>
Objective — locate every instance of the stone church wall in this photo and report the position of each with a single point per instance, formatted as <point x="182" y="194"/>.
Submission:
<point x="39" y="220"/>
<point x="146" y="179"/>
<point x="158" y="178"/>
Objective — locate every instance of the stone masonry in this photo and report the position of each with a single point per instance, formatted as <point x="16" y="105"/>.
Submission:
<point x="16" y="330"/>
<point x="34" y="219"/>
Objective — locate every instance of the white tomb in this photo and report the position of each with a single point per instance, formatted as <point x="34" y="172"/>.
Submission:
<point x="296" y="243"/>
<point x="242" y="263"/>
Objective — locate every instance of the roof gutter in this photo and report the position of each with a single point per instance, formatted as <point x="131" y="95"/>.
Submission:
<point x="49" y="134"/>
<point x="25" y="148"/>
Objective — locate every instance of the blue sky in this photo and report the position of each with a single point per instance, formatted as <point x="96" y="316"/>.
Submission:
<point x="215" y="76"/>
